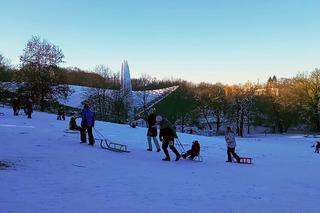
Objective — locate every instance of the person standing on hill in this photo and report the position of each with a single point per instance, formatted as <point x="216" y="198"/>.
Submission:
<point x="231" y="144"/>
<point x="29" y="108"/>
<point x="317" y="147"/>
<point x="16" y="106"/>
<point x="167" y="136"/>
<point x="87" y="123"/>
<point x="152" y="131"/>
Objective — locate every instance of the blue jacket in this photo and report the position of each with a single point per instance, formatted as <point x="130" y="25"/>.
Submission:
<point x="87" y="117"/>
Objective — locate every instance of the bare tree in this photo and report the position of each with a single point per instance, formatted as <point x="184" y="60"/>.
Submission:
<point x="42" y="79"/>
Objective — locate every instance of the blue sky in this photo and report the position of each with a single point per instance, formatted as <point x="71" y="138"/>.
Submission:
<point x="228" y="41"/>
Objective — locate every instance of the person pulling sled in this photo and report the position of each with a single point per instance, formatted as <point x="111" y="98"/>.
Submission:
<point x="231" y="145"/>
<point x="167" y="136"/>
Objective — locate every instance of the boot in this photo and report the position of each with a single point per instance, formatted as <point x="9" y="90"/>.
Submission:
<point x="166" y="159"/>
<point x="149" y="149"/>
<point x="178" y="157"/>
<point x="158" y="150"/>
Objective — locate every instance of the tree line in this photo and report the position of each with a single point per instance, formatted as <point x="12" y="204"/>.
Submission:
<point x="279" y="104"/>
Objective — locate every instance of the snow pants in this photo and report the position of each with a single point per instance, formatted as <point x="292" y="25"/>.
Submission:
<point x="165" y="145"/>
<point x="155" y="140"/>
<point x="231" y="151"/>
<point x="90" y="135"/>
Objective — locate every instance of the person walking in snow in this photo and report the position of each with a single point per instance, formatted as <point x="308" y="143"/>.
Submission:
<point x="152" y="131"/>
<point x="167" y="136"/>
<point x="87" y="123"/>
<point x="194" y="151"/>
<point x="317" y="147"/>
<point x="16" y="106"/>
<point x="61" y="114"/>
<point x="231" y="145"/>
<point x="29" y="108"/>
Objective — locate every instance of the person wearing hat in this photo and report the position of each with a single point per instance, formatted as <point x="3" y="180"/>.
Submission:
<point x="167" y="136"/>
<point x="152" y="131"/>
<point x="87" y="123"/>
<point x="231" y="145"/>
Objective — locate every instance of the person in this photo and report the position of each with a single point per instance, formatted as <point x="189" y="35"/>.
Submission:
<point x="87" y="123"/>
<point x="317" y="147"/>
<point x="152" y="131"/>
<point x="167" y="136"/>
<point x="61" y="114"/>
<point x="16" y="106"/>
<point x="29" y="109"/>
<point x="231" y="144"/>
<point x="194" y="151"/>
<point x="73" y="124"/>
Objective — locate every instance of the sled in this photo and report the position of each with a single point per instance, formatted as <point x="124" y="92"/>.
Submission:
<point x="71" y="131"/>
<point x="116" y="147"/>
<point x="244" y="160"/>
<point x="198" y="158"/>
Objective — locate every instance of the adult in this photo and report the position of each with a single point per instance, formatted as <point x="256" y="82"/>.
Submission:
<point x="152" y="131"/>
<point x="29" y="108"/>
<point x="16" y="106"/>
<point x="231" y="145"/>
<point x="87" y="123"/>
<point x="167" y="136"/>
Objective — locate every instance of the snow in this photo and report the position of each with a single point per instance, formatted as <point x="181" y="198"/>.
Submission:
<point x="53" y="172"/>
<point x="76" y="97"/>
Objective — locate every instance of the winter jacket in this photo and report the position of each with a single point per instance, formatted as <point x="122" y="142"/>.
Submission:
<point x="230" y="139"/>
<point x="152" y="120"/>
<point x="87" y="117"/>
<point x="195" y="148"/>
<point x="167" y="132"/>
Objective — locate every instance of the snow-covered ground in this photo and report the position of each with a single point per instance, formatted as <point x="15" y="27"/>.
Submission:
<point x="53" y="172"/>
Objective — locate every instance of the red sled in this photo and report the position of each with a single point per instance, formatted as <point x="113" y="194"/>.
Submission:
<point x="244" y="160"/>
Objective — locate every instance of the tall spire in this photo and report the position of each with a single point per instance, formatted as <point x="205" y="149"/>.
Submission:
<point x="126" y="88"/>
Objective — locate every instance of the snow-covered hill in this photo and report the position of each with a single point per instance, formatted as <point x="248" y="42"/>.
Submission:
<point x="52" y="172"/>
<point x="75" y="99"/>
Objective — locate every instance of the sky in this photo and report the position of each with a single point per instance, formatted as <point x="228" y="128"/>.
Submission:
<point x="227" y="41"/>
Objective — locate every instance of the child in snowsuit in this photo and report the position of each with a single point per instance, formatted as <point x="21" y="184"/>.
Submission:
<point x="29" y="108"/>
<point x="87" y="123"/>
<point x="73" y="124"/>
<point x="194" y="151"/>
<point x="317" y="147"/>
<point x="167" y="136"/>
<point x="152" y="131"/>
<point x="231" y="144"/>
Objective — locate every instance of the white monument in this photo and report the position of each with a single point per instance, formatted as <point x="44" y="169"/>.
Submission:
<point x="126" y="89"/>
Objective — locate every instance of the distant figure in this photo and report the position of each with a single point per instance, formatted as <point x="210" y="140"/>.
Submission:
<point x="133" y="124"/>
<point x="152" y="131"/>
<point x="194" y="151"/>
<point x="167" y="136"/>
<point x="16" y="106"/>
<point x="73" y="124"/>
<point x="231" y="143"/>
<point x="29" y="108"/>
<point x="317" y="147"/>
<point x="61" y="114"/>
<point x="87" y="123"/>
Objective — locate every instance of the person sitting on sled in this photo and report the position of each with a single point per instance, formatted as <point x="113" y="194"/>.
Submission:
<point x="73" y="124"/>
<point x="194" y="151"/>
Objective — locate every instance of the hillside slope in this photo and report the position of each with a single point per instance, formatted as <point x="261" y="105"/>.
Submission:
<point x="52" y="172"/>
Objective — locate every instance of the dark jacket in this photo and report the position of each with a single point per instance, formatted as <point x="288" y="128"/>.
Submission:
<point x="195" y="148"/>
<point x="167" y="132"/>
<point x="152" y="120"/>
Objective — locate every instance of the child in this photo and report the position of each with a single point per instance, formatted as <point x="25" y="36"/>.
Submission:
<point x="194" y="151"/>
